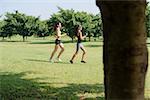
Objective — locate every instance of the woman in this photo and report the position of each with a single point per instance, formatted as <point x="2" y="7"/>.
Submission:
<point x="58" y="42"/>
<point x="80" y="37"/>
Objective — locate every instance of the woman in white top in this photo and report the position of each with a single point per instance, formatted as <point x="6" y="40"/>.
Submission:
<point x="58" y="42"/>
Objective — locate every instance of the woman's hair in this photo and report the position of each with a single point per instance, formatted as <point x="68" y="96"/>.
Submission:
<point x="56" y="25"/>
<point x="77" y="28"/>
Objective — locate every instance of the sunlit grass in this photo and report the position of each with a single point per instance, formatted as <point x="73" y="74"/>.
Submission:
<point x="26" y="73"/>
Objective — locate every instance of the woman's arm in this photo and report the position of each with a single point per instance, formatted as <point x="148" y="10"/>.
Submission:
<point x="81" y="37"/>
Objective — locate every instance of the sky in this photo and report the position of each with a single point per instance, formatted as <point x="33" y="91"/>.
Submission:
<point x="45" y="8"/>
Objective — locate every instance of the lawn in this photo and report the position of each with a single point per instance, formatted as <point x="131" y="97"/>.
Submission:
<point x="26" y="73"/>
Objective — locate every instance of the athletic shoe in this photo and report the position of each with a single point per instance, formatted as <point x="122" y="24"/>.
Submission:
<point x="50" y="60"/>
<point x="83" y="61"/>
<point x="58" y="60"/>
<point x="71" y="61"/>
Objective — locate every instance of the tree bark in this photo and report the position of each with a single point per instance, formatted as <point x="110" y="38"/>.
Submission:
<point x="89" y="38"/>
<point x="125" y="54"/>
<point x="3" y="38"/>
<point x="72" y="39"/>
<point x="23" y="38"/>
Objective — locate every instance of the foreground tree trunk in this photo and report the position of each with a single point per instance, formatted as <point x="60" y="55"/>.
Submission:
<point x="125" y="52"/>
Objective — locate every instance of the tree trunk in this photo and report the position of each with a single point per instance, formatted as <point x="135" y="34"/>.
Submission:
<point x="95" y="39"/>
<point x="10" y="37"/>
<point x="3" y="38"/>
<point x="23" y="38"/>
<point x="72" y="40"/>
<point x="89" y="38"/>
<point x="125" y="55"/>
<point x="44" y="38"/>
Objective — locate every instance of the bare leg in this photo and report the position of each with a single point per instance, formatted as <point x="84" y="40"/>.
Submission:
<point x="54" y="51"/>
<point x="74" y="55"/>
<point x="84" y="52"/>
<point x="62" y="50"/>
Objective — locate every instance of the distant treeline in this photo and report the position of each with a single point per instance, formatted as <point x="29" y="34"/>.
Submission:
<point x="18" y="23"/>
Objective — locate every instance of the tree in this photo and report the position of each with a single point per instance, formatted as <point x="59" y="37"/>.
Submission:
<point x="97" y="30"/>
<point x="51" y="22"/>
<point x="69" y="22"/>
<point x="9" y="26"/>
<point x="85" y="20"/>
<point x="19" y="23"/>
<point x="70" y="18"/>
<point x="42" y="29"/>
<point x="26" y="25"/>
<point x="2" y="34"/>
<point x="125" y="52"/>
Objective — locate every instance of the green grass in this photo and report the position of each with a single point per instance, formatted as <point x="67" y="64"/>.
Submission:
<point x="26" y="74"/>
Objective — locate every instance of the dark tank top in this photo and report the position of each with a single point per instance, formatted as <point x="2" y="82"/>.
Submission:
<point x="79" y="40"/>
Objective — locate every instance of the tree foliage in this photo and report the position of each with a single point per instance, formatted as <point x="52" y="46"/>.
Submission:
<point x="70" y="18"/>
<point x="24" y="25"/>
<point x="19" y="23"/>
<point x="42" y="29"/>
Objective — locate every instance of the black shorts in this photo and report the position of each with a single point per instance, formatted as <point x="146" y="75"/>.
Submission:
<point x="57" y="41"/>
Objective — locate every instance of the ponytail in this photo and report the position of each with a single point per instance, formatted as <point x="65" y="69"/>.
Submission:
<point x="76" y="29"/>
<point x="56" y="26"/>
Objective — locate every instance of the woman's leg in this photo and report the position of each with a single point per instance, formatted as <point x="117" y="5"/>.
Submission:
<point x="84" y="52"/>
<point x="75" y="54"/>
<point x="54" y="51"/>
<point x="62" y="50"/>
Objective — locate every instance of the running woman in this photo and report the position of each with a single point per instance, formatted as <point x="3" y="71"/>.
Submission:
<point x="80" y="37"/>
<point x="58" y="42"/>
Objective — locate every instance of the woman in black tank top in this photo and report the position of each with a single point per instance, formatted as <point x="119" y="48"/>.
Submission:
<point x="78" y="30"/>
<point x="79" y="40"/>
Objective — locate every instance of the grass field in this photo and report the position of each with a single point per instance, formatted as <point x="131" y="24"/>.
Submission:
<point x="26" y="73"/>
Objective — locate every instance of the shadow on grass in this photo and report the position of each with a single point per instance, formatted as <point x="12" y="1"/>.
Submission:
<point x="36" y="60"/>
<point x="53" y="42"/>
<point x="15" y="87"/>
<point x="98" y="45"/>
<point x="12" y="41"/>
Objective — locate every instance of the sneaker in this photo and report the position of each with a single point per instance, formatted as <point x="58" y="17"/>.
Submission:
<point x="71" y="61"/>
<point x="50" y="60"/>
<point x="58" y="60"/>
<point x="83" y="61"/>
